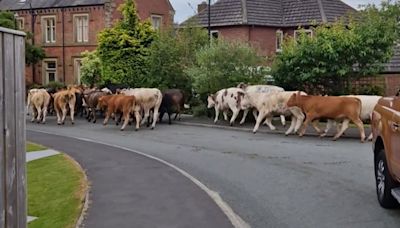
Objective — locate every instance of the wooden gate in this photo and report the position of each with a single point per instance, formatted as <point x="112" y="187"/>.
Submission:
<point x="12" y="127"/>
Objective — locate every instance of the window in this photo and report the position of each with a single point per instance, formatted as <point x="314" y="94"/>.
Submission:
<point x="50" y="70"/>
<point x="156" y="21"/>
<point x="279" y="40"/>
<point x="20" y="23"/>
<point x="214" y="34"/>
<point x="308" y="32"/>
<point x="49" y="29"/>
<point x="81" y="28"/>
<point x="77" y="70"/>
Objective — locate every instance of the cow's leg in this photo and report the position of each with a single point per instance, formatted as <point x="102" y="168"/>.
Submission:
<point x="155" y="117"/>
<point x="64" y="114"/>
<point x="314" y="123"/>
<point x="309" y="119"/>
<point x="58" y="113"/>
<point x="268" y="121"/>
<point x="33" y="114"/>
<point x="39" y="114"/>
<point x="126" y="118"/>
<point x="216" y="114"/>
<point x="328" y="126"/>
<point x="146" y="116"/>
<point x="225" y="114"/>
<point x="137" y="117"/>
<point x="292" y="125"/>
<point x="283" y="120"/>
<point x="245" y="112"/>
<point x="72" y="110"/>
<point x="360" y="126"/>
<point x="345" y="125"/>
<point x="107" y="117"/>
<point x="235" y="112"/>
<point x="260" y="117"/>
<point x="44" y="114"/>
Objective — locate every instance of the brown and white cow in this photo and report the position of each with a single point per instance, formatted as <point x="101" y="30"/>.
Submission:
<point x="64" y="100"/>
<point x="146" y="99"/>
<point x="329" y="107"/>
<point x="39" y="100"/>
<point x="91" y="101"/>
<point x="118" y="104"/>
<point x="227" y="99"/>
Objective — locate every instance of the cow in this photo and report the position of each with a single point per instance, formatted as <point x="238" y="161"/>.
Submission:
<point x="146" y="99"/>
<point x="268" y="104"/>
<point x="225" y="99"/>
<point x="256" y="89"/>
<point x="28" y="99"/>
<point x="368" y="103"/>
<point x="329" y="107"/>
<point x="91" y="101"/>
<point x="172" y="98"/>
<point x="62" y="100"/>
<point x="118" y="104"/>
<point x="39" y="100"/>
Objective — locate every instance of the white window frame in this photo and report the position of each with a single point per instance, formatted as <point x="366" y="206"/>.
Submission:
<point x="153" y="16"/>
<point x="77" y="70"/>
<point x="212" y="32"/>
<point x="52" y="38"/>
<point x="20" y="23"/>
<point x="46" y="70"/>
<point x="84" y="35"/>
<point x="280" y="33"/>
<point x="307" y="31"/>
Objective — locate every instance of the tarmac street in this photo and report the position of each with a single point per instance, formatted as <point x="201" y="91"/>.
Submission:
<point x="269" y="180"/>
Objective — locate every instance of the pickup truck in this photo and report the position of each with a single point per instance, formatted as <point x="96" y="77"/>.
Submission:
<point x="386" y="147"/>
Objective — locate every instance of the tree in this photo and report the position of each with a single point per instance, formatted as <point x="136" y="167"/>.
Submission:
<point x="225" y="64"/>
<point x="91" y="68"/>
<point x="124" y="49"/>
<point x="33" y="54"/>
<point x="171" y="54"/>
<point x="339" y="52"/>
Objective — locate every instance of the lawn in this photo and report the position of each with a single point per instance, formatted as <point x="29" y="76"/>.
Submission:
<point x="56" y="189"/>
<point x="30" y="147"/>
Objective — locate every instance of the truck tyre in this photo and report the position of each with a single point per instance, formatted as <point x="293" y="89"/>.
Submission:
<point x="384" y="182"/>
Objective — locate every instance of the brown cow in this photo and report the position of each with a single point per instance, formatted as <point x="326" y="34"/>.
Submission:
<point x="91" y="102"/>
<point x="172" y="98"/>
<point x="119" y="103"/>
<point x="330" y="107"/>
<point x="62" y="99"/>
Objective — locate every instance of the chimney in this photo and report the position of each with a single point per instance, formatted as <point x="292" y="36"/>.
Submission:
<point x="202" y="6"/>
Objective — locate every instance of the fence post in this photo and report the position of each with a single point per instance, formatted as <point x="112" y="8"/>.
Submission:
<point x="13" y="208"/>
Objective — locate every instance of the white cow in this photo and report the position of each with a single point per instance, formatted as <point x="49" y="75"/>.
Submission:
<point x="260" y="89"/>
<point x="39" y="100"/>
<point x="269" y="104"/>
<point x="226" y="99"/>
<point x="368" y="103"/>
<point x="146" y="99"/>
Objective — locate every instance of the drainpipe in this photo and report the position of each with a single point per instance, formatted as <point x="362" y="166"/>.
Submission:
<point x="63" y="43"/>
<point x="209" y="21"/>
<point x="33" y="16"/>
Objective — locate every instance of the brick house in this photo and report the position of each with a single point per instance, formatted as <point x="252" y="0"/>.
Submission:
<point x="264" y="23"/>
<point x="65" y="29"/>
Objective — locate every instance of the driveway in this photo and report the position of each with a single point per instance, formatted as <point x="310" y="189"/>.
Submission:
<point x="268" y="179"/>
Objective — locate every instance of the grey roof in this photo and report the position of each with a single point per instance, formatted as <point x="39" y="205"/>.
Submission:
<point x="41" y="4"/>
<point x="279" y="13"/>
<point x="394" y="64"/>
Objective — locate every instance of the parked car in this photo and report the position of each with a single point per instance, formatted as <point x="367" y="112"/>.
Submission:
<point x="386" y="146"/>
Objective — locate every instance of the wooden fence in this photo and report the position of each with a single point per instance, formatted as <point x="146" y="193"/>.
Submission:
<point x="12" y="126"/>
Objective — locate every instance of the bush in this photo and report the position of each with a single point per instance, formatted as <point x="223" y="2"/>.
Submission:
<point x="371" y="90"/>
<point x="55" y="85"/>
<point x="199" y="110"/>
<point x="223" y="65"/>
<point x="91" y="68"/>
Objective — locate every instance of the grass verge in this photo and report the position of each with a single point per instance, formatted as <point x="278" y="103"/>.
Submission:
<point x="30" y="147"/>
<point x="56" y="191"/>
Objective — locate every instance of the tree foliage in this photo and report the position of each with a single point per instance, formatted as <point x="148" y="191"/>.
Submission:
<point x="91" y="68"/>
<point x="33" y="53"/>
<point x="124" y="49"/>
<point x="339" y="52"/>
<point x="225" y="64"/>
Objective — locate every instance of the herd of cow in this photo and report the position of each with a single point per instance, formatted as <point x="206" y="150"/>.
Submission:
<point x="265" y="102"/>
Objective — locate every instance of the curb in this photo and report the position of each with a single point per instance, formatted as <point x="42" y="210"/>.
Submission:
<point x="276" y="132"/>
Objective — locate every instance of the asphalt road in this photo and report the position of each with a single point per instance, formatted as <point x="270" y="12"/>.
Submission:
<point x="268" y="179"/>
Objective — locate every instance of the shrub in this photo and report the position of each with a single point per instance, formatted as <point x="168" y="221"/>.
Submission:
<point x="91" y="68"/>
<point x="55" y="85"/>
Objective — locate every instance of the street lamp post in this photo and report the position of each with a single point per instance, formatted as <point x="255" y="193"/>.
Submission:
<point x="209" y="21"/>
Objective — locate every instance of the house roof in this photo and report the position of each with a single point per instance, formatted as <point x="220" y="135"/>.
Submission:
<point x="393" y="66"/>
<point x="42" y="4"/>
<point x="279" y="13"/>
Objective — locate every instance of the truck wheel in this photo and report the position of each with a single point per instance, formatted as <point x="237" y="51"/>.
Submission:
<point x="384" y="182"/>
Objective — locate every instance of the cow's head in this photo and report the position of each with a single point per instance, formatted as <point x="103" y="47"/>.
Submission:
<point x="293" y="100"/>
<point x="211" y="101"/>
<point x="244" y="100"/>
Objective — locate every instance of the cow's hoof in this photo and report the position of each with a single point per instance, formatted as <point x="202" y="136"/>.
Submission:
<point x="72" y="123"/>
<point x="334" y="139"/>
<point x="58" y="123"/>
<point x="254" y="132"/>
<point x="62" y="123"/>
<point x="169" y="123"/>
<point x="152" y="128"/>
<point x="43" y="122"/>
<point x="231" y="124"/>
<point x="94" y="121"/>
<point x="136" y="129"/>
<point x="122" y="129"/>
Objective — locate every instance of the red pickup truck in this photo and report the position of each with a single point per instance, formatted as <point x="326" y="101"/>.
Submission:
<point x="386" y="146"/>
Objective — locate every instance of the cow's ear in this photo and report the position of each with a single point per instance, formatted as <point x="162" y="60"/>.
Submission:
<point x="241" y="93"/>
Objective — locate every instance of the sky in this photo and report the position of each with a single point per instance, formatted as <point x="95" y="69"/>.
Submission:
<point x="186" y="8"/>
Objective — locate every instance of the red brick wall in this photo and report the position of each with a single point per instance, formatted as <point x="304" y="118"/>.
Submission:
<point x="392" y="83"/>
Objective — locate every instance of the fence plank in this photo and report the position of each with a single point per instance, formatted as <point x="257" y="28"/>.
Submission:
<point x="2" y="148"/>
<point x="9" y="107"/>
<point x="19" y="50"/>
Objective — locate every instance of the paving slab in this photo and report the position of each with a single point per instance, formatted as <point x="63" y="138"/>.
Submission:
<point x="31" y="156"/>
